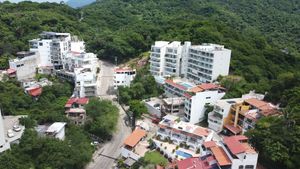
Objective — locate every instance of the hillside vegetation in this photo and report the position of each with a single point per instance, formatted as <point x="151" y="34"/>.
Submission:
<point x="262" y="34"/>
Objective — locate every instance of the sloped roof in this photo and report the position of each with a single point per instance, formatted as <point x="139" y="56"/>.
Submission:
<point x="36" y="91"/>
<point x="135" y="137"/>
<point x="200" y="131"/>
<point x="192" y="163"/>
<point x="80" y="101"/>
<point x="220" y="156"/>
<point x="209" y="144"/>
<point x="10" y="71"/>
<point x="234" y="144"/>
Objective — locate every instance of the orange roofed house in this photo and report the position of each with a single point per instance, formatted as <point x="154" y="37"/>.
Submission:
<point x="134" y="147"/>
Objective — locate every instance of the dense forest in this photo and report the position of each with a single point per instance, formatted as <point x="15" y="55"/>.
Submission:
<point x="262" y="34"/>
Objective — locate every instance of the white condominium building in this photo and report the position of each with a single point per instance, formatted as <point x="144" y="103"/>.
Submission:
<point x="198" y="63"/>
<point x="53" y="48"/>
<point x="198" y="97"/>
<point x="78" y="60"/>
<point x="206" y="62"/>
<point x="85" y="82"/>
<point x="157" y="56"/>
<point x="123" y="76"/>
<point x="25" y="65"/>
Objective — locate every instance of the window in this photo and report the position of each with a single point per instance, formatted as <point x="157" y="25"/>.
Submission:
<point x="207" y="97"/>
<point x="41" y="44"/>
<point x="241" y="167"/>
<point x="249" y="167"/>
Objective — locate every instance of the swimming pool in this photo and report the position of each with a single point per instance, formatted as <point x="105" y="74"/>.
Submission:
<point x="186" y="85"/>
<point x="183" y="154"/>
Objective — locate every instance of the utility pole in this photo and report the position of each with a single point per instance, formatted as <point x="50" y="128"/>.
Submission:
<point x="116" y="60"/>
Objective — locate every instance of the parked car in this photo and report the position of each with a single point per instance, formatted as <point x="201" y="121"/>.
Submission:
<point x="10" y="133"/>
<point x="94" y="143"/>
<point x="17" y="128"/>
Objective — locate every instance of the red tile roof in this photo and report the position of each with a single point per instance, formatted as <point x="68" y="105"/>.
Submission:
<point x="81" y="101"/>
<point x="234" y="130"/>
<point x="220" y="156"/>
<point x="193" y="163"/>
<point x="34" y="92"/>
<point x="209" y="144"/>
<point x="200" y="131"/>
<point x="11" y="71"/>
<point x="135" y="137"/>
<point x="234" y="144"/>
<point x="170" y="82"/>
<point x="205" y="86"/>
<point x="208" y="86"/>
<point x="187" y="95"/>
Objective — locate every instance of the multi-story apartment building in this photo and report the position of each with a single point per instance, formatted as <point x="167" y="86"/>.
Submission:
<point x="182" y="132"/>
<point x="42" y="47"/>
<point x="157" y="55"/>
<point x="25" y="65"/>
<point x="53" y="48"/>
<point x="123" y="76"/>
<point x="198" y="97"/>
<point x="217" y="118"/>
<point x="198" y="63"/>
<point x="78" y="60"/>
<point x="206" y="62"/>
<point x="174" y="105"/>
<point x="85" y="82"/>
<point x="243" y="116"/>
<point x="77" y="45"/>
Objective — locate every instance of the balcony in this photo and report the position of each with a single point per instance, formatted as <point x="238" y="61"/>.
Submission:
<point x="178" y="138"/>
<point x="154" y="59"/>
<point x="214" y="118"/>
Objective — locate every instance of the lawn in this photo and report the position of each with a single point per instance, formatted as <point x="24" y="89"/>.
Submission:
<point x="155" y="157"/>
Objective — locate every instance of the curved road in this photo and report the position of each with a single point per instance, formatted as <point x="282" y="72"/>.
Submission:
<point x="111" y="149"/>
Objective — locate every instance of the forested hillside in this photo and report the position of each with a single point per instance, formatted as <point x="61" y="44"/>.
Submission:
<point x="264" y="36"/>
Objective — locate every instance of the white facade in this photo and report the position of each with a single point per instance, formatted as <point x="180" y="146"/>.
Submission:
<point x="52" y="48"/>
<point x="57" y="130"/>
<point x="198" y="63"/>
<point x="42" y="47"/>
<point x="85" y="82"/>
<point x="222" y="108"/>
<point x="123" y="76"/>
<point x="220" y="112"/>
<point x="25" y="65"/>
<point x="183" y="132"/>
<point x="195" y="104"/>
<point x="78" y="60"/>
<point x="206" y="62"/>
<point x="157" y="58"/>
<point x="77" y="45"/>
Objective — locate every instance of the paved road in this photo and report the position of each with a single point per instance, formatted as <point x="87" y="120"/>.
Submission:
<point x="113" y="147"/>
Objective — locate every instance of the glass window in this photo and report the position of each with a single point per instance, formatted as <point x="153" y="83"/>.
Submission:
<point x="249" y="167"/>
<point x="241" y="167"/>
